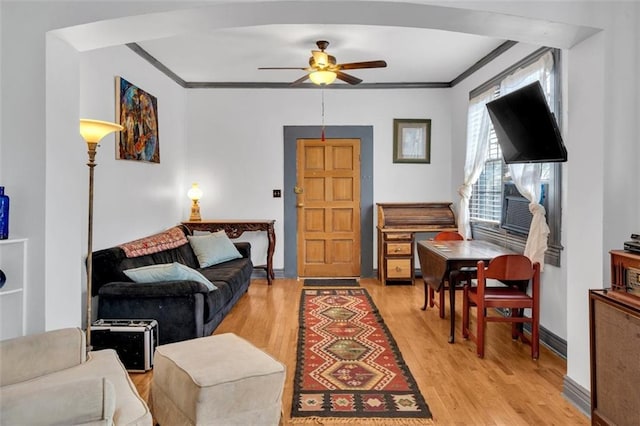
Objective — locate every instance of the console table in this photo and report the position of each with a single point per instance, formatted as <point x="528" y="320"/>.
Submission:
<point x="235" y="228"/>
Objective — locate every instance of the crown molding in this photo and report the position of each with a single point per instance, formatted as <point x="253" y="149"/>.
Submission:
<point x="265" y="85"/>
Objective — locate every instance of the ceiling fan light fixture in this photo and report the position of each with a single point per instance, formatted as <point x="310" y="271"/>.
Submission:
<point x="323" y="68"/>
<point x="322" y="78"/>
<point x="321" y="59"/>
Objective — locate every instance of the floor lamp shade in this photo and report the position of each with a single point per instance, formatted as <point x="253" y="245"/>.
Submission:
<point x="92" y="132"/>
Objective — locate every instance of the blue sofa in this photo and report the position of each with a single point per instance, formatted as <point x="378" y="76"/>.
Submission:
<point x="184" y="309"/>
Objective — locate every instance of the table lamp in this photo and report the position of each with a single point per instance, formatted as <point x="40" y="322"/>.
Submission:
<point x="195" y="193"/>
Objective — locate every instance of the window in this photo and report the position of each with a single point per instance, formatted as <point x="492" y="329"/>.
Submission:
<point x="486" y="201"/>
<point x="485" y="206"/>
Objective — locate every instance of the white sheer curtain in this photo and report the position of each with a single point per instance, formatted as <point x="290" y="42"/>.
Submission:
<point x="527" y="177"/>
<point x="477" y="144"/>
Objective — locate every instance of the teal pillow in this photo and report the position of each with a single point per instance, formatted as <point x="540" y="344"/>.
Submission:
<point x="213" y="249"/>
<point x="167" y="272"/>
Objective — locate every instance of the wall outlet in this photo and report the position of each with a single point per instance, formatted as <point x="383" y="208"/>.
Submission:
<point x="277" y="193"/>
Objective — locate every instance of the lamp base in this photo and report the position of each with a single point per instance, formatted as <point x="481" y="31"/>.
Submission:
<point x="195" y="212"/>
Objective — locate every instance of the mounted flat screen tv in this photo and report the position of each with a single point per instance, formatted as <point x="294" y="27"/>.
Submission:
<point x="526" y="129"/>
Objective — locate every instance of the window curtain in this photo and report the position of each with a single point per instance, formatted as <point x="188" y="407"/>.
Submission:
<point x="478" y="125"/>
<point x="527" y="176"/>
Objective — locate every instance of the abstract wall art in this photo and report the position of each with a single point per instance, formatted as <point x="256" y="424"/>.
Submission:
<point x="137" y="112"/>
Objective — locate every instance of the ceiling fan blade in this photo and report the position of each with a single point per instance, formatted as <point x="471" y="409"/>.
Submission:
<point x="282" y="68"/>
<point x="359" y="65"/>
<point x="347" y="78"/>
<point x="300" y="80"/>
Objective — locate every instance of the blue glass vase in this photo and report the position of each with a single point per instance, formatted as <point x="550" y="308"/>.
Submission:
<point x="4" y="215"/>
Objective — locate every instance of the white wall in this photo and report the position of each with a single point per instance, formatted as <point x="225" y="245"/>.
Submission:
<point x="238" y="135"/>
<point x="22" y="165"/>
<point x="131" y="199"/>
<point x="64" y="222"/>
<point x="585" y="197"/>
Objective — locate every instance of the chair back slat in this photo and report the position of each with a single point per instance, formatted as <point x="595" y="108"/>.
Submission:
<point x="510" y="267"/>
<point x="448" y="236"/>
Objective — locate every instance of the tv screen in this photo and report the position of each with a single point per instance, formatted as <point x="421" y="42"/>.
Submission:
<point x="526" y="129"/>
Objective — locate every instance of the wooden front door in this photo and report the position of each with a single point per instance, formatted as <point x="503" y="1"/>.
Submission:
<point x="328" y="205"/>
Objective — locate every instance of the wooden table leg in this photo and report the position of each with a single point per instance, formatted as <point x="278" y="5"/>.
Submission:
<point x="452" y="304"/>
<point x="426" y="291"/>
<point x="271" y="236"/>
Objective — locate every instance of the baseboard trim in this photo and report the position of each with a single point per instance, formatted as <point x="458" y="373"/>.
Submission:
<point x="577" y="395"/>
<point x="259" y="273"/>
<point x="551" y="341"/>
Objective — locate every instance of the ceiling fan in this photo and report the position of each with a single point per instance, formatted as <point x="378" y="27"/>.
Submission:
<point x="323" y="68"/>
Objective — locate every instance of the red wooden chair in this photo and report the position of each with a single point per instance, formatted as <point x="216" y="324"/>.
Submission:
<point x="440" y="236"/>
<point x="513" y="270"/>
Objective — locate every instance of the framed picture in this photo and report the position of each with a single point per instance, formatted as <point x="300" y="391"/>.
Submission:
<point x="411" y="140"/>
<point x="137" y="111"/>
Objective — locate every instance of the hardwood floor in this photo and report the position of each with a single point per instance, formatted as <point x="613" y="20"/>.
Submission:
<point x="505" y="388"/>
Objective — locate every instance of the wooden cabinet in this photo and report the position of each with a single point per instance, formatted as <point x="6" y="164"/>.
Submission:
<point x="614" y="338"/>
<point x="397" y="225"/>
<point x="398" y="256"/>
<point x="614" y="334"/>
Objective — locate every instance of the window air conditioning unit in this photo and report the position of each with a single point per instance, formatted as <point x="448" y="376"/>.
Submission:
<point x="516" y="216"/>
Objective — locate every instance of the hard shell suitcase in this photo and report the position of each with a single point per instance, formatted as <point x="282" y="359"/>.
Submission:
<point x="134" y="340"/>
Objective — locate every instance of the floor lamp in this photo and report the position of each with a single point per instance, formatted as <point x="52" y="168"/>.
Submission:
<point x="93" y="131"/>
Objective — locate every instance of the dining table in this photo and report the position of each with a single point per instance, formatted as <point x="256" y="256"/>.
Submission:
<point x="442" y="261"/>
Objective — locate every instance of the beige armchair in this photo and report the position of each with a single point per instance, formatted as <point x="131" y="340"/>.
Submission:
<point x="48" y="379"/>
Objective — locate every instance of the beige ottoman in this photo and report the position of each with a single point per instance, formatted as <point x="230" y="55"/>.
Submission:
<point x="216" y="380"/>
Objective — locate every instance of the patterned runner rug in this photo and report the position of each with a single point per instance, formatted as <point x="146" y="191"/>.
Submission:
<point x="348" y="367"/>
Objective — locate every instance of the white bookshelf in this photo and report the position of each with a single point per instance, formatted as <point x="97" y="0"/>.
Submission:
<point x="13" y="295"/>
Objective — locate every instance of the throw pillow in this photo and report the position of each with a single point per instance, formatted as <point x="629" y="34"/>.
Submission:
<point x="213" y="249"/>
<point x="167" y="272"/>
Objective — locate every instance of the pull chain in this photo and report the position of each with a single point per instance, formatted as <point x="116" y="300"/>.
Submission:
<point x="322" y="134"/>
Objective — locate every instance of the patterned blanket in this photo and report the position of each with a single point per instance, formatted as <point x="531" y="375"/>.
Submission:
<point x="171" y="238"/>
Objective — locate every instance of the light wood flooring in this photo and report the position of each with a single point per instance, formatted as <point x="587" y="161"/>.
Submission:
<point x="505" y="388"/>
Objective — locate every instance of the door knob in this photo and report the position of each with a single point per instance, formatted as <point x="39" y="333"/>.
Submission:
<point x="300" y="205"/>
<point x="298" y="190"/>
